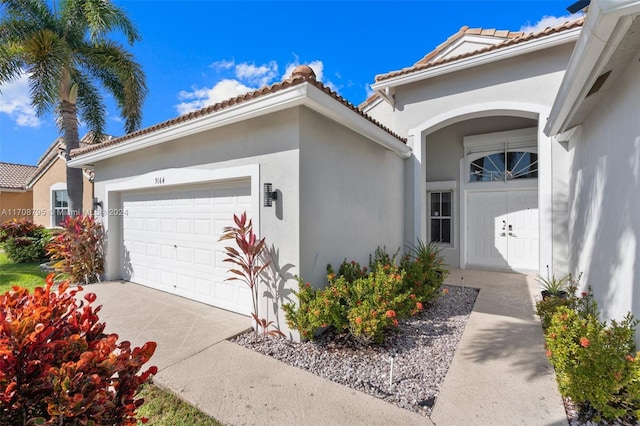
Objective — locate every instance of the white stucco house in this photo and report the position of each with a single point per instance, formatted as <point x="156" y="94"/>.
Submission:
<point x="489" y="146"/>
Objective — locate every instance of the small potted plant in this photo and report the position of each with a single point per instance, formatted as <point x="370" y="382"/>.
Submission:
<point x="552" y="286"/>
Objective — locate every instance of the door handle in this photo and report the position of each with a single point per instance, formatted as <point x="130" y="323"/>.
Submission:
<point x="510" y="227"/>
<point x="504" y="225"/>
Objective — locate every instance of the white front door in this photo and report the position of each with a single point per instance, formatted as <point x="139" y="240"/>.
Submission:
<point x="170" y="241"/>
<point x="502" y="229"/>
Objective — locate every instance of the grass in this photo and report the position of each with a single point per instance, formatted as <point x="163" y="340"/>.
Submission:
<point x="26" y="275"/>
<point x="163" y="408"/>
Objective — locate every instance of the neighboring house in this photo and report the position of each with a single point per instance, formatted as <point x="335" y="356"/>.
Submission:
<point x="455" y="149"/>
<point x="596" y="119"/>
<point x="48" y="184"/>
<point x="16" y="200"/>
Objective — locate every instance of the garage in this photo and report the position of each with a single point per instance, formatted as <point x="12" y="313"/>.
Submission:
<point x="170" y="241"/>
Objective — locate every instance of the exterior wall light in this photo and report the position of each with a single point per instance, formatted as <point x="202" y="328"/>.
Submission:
<point x="269" y="195"/>
<point x="96" y="203"/>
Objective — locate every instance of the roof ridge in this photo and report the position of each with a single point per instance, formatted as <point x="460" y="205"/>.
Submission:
<point x="518" y="37"/>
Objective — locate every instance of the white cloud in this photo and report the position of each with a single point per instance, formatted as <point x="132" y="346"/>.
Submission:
<point x="223" y="64"/>
<point x="244" y="78"/>
<point x="257" y="75"/>
<point x="200" y="98"/>
<point x="548" y="21"/>
<point x="16" y="102"/>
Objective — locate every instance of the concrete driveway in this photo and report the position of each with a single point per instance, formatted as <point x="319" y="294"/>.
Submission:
<point x="181" y="327"/>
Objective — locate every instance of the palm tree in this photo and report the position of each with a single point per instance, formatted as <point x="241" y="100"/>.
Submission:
<point x="66" y="54"/>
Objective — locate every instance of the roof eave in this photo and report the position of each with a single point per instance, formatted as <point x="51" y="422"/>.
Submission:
<point x="297" y="95"/>
<point x="481" y="59"/>
<point x="605" y="25"/>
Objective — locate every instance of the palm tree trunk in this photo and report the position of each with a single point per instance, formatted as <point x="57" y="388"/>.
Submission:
<point x="72" y="141"/>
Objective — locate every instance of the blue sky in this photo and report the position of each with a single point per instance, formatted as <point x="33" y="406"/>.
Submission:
<point x="195" y="53"/>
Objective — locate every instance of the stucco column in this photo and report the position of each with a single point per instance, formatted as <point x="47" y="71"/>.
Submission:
<point x="414" y="177"/>
<point x="545" y="197"/>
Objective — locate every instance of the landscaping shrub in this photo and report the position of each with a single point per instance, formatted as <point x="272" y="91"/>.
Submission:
<point x="596" y="364"/>
<point x="250" y="260"/>
<point x="57" y="366"/>
<point x="424" y="271"/>
<point x="368" y="302"/>
<point x="24" y="241"/>
<point x="547" y="307"/>
<point x="77" y="251"/>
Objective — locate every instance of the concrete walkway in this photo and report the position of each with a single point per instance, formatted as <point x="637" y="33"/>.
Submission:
<point x="499" y="375"/>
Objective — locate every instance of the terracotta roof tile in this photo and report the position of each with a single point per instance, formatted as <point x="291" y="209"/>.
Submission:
<point x="511" y="38"/>
<point x="297" y="78"/>
<point x="15" y="176"/>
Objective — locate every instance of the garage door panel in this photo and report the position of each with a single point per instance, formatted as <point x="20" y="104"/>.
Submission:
<point x="172" y="240"/>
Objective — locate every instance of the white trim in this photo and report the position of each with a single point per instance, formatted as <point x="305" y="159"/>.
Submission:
<point x="488" y="141"/>
<point x="605" y="26"/>
<point x="58" y="186"/>
<point x="304" y="94"/>
<point x="172" y="178"/>
<point x="481" y="59"/>
<point x="373" y="103"/>
<point x="486" y="41"/>
<point x="442" y="185"/>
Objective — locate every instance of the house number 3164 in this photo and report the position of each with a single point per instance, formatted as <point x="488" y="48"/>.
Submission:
<point x="159" y="180"/>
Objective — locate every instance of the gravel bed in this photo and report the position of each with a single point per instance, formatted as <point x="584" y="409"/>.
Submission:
<point x="422" y="348"/>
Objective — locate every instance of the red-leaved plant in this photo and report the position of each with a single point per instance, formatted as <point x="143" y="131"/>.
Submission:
<point x="77" y="252"/>
<point x="57" y="366"/>
<point x="249" y="259"/>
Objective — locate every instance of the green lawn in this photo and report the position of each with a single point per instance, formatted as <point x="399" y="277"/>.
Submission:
<point x="23" y="274"/>
<point x="163" y="408"/>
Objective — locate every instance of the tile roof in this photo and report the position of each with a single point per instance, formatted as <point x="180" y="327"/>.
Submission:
<point x="296" y="79"/>
<point x="510" y="39"/>
<point x="15" y="176"/>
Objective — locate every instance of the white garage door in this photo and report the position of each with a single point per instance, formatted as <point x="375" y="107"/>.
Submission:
<point x="170" y="239"/>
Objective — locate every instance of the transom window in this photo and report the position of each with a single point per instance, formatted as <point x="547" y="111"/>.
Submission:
<point x="493" y="167"/>
<point x="440" y="216"/>
<point x="60" y="201"/>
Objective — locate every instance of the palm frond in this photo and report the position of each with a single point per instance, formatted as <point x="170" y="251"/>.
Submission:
<point x="117" y="71"/>
<point x="46" y="56"/>
<point x="90" y="105"/>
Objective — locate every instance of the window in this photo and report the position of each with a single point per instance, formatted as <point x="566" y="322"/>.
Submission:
<point x="440" y="216"/>
<point x="493" y="168"/>
<point x="60" y="201"/>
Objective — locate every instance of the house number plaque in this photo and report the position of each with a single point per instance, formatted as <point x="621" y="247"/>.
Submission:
<point x="159" y="180"/>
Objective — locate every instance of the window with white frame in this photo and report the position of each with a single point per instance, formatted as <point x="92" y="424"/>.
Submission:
<point x="60" y="206"/>
<point x="441" y="216"/>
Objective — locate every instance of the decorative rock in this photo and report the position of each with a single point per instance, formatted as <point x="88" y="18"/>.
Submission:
<point x="423" y="347"/>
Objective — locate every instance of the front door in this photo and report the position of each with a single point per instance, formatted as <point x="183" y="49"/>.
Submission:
<point x="502" y="229"/>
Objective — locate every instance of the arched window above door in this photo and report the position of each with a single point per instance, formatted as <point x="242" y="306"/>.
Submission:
<point x="493" y="167"/>
<point x="502" y="156"/>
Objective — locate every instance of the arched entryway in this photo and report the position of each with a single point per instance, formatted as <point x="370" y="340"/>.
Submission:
<point x="482" y="187"/>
